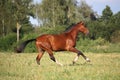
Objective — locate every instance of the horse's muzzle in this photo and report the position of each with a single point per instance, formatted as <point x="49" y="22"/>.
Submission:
<point x="87" y="32"/>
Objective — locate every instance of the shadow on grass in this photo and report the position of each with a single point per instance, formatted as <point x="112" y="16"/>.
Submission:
<point x="80" y="64"/>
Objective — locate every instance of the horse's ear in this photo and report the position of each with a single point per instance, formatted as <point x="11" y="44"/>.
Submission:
<point x="81" y="22"/>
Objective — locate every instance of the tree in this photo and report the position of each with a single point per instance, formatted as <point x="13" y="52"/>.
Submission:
<point x="14" y="13"/>
<point x="93" y="17"/>
<point x="57" y="12"/>
<point x="70" y="11"/>
<point x="108" y="27"/>
<point x="115" y="20"/>
<point x="22" y="10"/>
<point x="107" y="13"/>
<point x="5" y="12"/>
<point x="85" y="10"/>
<point x="63" y="12"/>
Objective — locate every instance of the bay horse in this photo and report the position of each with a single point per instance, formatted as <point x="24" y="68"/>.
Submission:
<point x="65" y="41"/>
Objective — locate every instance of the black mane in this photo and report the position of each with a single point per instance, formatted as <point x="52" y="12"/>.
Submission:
<point x="69" y="28"/>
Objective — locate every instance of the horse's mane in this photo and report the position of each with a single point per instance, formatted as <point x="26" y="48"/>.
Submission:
<point x="72" y="25"/>
<point x="69" y="27"/>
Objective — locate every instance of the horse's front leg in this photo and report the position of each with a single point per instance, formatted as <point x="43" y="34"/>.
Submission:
<point x="78" y="54"/>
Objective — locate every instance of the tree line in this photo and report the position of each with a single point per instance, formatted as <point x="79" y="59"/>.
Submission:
<point x="67" y="12"/>
<point x="14" y="14"/>
<point x="54" y="16"/>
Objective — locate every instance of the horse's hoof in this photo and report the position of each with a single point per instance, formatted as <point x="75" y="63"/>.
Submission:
<point x="38" y="62"/>
<point x="73" y="62"/>
<point x="61" y="64"/>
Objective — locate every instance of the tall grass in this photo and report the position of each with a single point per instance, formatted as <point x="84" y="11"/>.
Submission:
<point x="24" y="67"/>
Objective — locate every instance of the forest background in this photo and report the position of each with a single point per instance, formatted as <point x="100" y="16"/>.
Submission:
<point x="54" y="17"/>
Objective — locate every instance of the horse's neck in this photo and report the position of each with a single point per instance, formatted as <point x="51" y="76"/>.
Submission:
<point x="74" y="33"/>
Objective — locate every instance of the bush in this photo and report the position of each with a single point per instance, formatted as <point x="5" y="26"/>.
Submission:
<point x="7" y="42"/>
<point x="99" y="45"/>
<point x="30" y="48"/>
<point x="49" y="30"/>
<point x="115" y="37"/>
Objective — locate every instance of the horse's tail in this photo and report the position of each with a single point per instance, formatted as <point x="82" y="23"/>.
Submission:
<point x="21" y="47"/>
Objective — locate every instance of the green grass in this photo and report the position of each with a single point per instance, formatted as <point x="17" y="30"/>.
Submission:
<point x="24" y="67"/>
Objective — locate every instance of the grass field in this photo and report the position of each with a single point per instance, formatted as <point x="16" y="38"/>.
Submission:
<point x="23" y="67"/>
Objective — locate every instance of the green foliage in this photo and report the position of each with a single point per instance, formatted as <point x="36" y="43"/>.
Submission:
<point x="6" y="17"/>
<point x="101" y="28"/>
<point x="115" y="37"/>
<point x="99" y="45"/>
<point x="62" y="12"/>
<point x="13" y="11"/>
<point x="7" y="42"/>
<point x="31" y="46"/>
<point x="22" y="9"/>
<point x="107" y="13"/>
<point x="85" y="10"/>
<point x="49" y="30"/>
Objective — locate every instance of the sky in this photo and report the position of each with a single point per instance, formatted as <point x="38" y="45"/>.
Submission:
<point x="96" y="5"/>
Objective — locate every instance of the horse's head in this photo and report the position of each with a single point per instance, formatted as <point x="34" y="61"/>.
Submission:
<point x="82" y="28"/>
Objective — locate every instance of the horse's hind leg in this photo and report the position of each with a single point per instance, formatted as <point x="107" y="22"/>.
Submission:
<point x="38" y="58"/>
<point x="40" y="54"/>
<point x="52" y="56"/>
